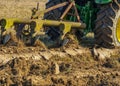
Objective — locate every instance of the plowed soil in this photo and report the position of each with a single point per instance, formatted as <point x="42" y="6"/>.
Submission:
<point x="71" y="65"/>
<point x="30" y="67"/>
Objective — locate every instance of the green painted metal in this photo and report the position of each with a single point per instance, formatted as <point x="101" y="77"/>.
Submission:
<point x="87" y="14"/>
<point x="102" y="1"/>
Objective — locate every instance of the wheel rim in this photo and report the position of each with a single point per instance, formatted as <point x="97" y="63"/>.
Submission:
<point x="118" y="30"/>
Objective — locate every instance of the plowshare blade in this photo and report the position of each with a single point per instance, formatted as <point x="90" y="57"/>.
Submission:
<point x="65" y="41"/>
<point x="6" y="38"/>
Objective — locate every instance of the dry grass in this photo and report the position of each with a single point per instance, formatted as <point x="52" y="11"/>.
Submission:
<point x="19" y="8"/>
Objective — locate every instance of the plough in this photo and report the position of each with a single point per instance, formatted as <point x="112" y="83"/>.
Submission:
<point x="35" y="27"/>
<point x="61" y="16"/>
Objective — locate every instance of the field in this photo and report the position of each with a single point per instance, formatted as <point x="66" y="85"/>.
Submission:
<point x="19" y="8"/>
<point x="71" y="65"/>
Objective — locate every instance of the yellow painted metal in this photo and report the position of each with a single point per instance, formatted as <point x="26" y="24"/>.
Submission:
<point x="118" y="30"/>
<point x="65" y="28"/>
<point x="58" y="23"/>
<point x="9" y="23"/>
<point x="39" y="23"/>
<point x="65" y="25"/>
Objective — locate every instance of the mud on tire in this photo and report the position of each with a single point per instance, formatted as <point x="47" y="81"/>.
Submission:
<point x="106" y="24"/>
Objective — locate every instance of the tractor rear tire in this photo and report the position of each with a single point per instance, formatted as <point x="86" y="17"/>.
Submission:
<point x="54" y="32"/>
<point x="54" y="14"/>
<point x="107" y="27"/>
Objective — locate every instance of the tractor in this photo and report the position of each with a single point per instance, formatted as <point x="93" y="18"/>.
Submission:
<point x="101" y="17"/>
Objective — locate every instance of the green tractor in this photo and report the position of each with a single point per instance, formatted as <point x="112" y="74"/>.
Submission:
<point x="100" y="16"/>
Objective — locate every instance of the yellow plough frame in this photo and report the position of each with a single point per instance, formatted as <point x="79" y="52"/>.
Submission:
<point x="35" y="24"/>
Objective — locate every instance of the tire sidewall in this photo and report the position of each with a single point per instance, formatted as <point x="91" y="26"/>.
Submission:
<point x="116" y="42"/>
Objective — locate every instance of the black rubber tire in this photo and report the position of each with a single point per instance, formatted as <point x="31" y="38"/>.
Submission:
<point x="54" y="14"/>
<point x="54" y="32"/>
<point x="105" y="29"/>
